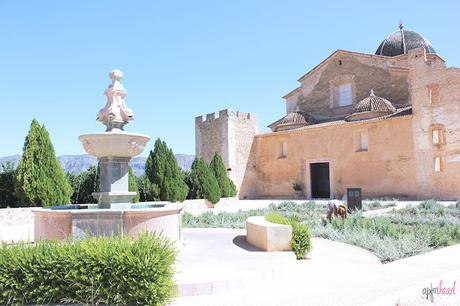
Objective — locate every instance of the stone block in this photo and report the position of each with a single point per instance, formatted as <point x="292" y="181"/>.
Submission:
<point x="268" y="236"/>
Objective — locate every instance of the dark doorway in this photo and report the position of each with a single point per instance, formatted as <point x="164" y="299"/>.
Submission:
<point x="319" y="177"/>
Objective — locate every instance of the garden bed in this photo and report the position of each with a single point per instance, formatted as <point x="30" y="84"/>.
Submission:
<point x="397" y="234"/>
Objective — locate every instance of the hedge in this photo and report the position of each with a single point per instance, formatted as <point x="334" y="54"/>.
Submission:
<point x="301" y="236"/>
<point x="104" y="270"/>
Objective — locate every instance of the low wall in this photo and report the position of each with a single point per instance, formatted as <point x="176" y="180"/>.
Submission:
<point x="268" y="236"/>
<point x="16" y="224"/>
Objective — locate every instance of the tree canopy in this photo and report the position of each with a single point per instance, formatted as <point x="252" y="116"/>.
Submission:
<point x="40" y="179"/>
<point x="164" y="173"/>
<point x="7" y="176"/>
<point x="226" y="186"/>
<point x="202" y="182"/>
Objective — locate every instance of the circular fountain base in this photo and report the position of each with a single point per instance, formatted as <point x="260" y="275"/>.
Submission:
<point x="61" y="224"/>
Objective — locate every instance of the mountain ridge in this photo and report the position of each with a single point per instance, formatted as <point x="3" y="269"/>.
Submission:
<point x="78" y="163"/>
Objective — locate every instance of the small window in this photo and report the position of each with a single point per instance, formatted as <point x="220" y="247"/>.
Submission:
<point x="437" y="135"/>
<point x="283" y="151"/>
<point x="433" y="93"/>
<point x="364" y="141"/>
<point x="345" y="95"/>
<point x="361" y="141"/>
<point x="437" y="164"/>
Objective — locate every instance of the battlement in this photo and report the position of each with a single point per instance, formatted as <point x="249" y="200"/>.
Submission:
<point x="224" y="115"/>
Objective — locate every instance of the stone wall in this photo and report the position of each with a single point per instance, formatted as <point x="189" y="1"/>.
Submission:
<point x="16" y="224"/>
<point x="387" y="76"/>
<point x="441" y="109"/>
<point x="386" y="169"/>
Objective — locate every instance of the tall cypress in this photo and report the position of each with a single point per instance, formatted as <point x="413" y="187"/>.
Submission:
<point x="227" y="188"/>
<point x="165" y="174"/>
<point x="40" y="179"/>
<point x="202" y="182"/>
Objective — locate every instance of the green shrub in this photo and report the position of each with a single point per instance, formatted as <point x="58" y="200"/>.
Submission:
<point x="104" y="270"/>
<point x="278" y="219"/>
<point x="301" y="237"/>
<point x="301" y="240"/>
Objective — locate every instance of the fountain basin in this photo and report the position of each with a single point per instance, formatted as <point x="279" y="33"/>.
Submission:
<point x="119" y="144"/>
<point x="76" y="223"/>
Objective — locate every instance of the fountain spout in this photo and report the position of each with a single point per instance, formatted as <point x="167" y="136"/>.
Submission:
<point x="115" y="114"/>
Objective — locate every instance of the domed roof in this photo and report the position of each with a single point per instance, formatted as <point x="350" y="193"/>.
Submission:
<point x="371" y="107"/>
<point x="400" y="42"/>
<point x="292" y="121"/>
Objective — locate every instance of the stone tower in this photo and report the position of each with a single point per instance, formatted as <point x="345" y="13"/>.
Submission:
<point x="231" y="134"/>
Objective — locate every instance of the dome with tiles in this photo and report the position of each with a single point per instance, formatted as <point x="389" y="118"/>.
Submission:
<point x="292" y="121"/>
<point x="400" y="42"/>
<point x="371" y="107"/>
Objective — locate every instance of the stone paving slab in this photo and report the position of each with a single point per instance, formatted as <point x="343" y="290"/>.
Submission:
<point x="335" y="274"/>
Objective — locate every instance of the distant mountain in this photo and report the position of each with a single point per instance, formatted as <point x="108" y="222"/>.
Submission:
<point x="78" y="163"/>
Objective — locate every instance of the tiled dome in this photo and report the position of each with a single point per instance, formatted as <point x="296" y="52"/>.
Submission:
<point x="400" y="42"/>
<point x="371" y="107"/>
<point x="292" y="121"/>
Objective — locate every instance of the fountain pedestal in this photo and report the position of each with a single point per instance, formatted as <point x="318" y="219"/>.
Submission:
<point x="114" y="183"/>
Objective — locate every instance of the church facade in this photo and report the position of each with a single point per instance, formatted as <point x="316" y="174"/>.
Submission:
<point x="388" y="123"/>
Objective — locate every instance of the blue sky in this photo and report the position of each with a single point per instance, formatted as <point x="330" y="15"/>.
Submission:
<point x="182" y="58"/>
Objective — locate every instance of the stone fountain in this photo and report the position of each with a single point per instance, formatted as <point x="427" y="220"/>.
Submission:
<point x="114" y="148"/>
<point x="114" y="213"/>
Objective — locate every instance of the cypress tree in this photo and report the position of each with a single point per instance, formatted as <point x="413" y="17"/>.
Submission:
<point x="147" y="191"/>
<point x="132" y="185"/>
<point x="226" y="186"/>
<point x="202" y="182"/>
<point x="40" y="179"/>
<point x="164" y="173"/>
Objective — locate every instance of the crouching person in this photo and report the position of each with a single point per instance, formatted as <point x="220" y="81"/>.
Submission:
<point x="336" y="208"/>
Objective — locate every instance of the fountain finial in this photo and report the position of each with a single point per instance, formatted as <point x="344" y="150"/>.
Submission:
<point x="115" y="114"/>
<point x="115" y="75"/>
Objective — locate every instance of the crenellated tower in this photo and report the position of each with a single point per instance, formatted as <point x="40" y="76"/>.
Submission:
<point x="231" y="134"/>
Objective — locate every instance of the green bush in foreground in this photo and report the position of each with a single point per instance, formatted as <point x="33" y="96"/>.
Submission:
<point x="301" y="237"/>
<point x="112" y="271"/>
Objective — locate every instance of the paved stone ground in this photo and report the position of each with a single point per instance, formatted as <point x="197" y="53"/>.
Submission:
<point x="228" y="272"/>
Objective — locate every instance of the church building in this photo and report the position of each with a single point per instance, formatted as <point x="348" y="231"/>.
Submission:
<point x="388" y="123"/>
